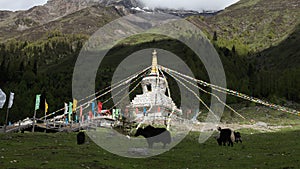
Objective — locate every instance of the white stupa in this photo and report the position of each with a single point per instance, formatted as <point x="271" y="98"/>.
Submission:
<point x="154" y="102"/>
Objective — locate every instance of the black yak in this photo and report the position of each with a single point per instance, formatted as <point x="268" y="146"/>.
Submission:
<point x="226" y="136"/>
<point x="237" y="136"/>
<point x="80" y="138"/>
<point x="154" y="135"/>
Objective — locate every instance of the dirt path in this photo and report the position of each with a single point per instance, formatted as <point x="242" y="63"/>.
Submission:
<point x="260" y="126"/>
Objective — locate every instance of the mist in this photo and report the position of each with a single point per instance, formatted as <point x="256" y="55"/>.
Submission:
<point x="198" y="5"/>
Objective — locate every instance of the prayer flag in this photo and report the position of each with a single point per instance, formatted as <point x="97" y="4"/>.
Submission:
<point x="70" y="111"/>
<point x="46" y="106"/>
<point x="90" y="114"/>
<point x="74" y="104"/>
<point x="11" y="100"/>
<point x="80" y="111"/>
<point x="99" y="107"/>
<point x="2" y="99"/>
<point x="37" y="101"/>
<point x="93" y="108"/>
<point x="66" y="108"/>
<point x="117" y="113"/>
<point x="113" y="113"/>
<point x="82" y="119"/>
<point x="145" y="111"/>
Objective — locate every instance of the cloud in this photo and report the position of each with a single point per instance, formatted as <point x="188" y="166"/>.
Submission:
<point x="198" y="5"/>
<point x="14" y="5"/>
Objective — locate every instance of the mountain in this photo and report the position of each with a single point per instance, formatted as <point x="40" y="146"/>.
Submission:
<point x="65" y="15"/>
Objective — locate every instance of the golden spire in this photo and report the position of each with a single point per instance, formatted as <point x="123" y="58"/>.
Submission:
<point x="154" y="62"/>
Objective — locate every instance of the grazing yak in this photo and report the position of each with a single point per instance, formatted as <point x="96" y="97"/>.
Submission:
<point x="154" y="135"/>
<point x="237" y="136"/>
<point x="226" y="136"/>
<point x="80" y="138"/>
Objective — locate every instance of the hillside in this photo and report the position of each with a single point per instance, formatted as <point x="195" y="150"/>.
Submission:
<point x="283" y="56"/>
<point x="253" y="25"/>
<point x="277" y="68"/>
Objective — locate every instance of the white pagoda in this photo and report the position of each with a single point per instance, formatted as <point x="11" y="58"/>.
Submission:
<point x="154" y="104"/>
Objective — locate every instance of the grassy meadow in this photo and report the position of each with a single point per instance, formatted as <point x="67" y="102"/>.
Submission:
<point x="259" y="150"/>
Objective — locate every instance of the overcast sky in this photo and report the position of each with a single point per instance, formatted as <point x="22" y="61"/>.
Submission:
<point x="179" y="4"/>
<point x="14" y="5"/>
<point x="198" y="5"/>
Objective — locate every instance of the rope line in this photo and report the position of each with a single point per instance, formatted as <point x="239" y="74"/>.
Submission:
<point x="194" y="95"/>
<point x="207" y="92"/>
<point x="235" y="93"/>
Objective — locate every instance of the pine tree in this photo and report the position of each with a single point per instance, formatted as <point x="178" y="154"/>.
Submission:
<point x="215" y="37"/>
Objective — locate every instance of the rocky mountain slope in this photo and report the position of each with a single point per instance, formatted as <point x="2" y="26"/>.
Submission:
<point x="65" y="15"/>
<point x="15" y="24"/>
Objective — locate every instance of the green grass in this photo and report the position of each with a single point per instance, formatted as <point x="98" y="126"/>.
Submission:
<point x="259" y="150"/>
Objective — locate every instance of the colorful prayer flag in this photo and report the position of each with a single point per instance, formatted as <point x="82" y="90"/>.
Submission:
<point x="37" y="101"/>
<point x="93" y="108"/>
<point x="70" y="111"/>
<point x="117" y="113"/>
<point x="11" y="100"/>
<point x="113" y="113"/>
<point x="46" y="106"/>
<point x="80" y="111"/>
<point x="99" y="107"/>
<point x="90" y="114"/>
<point x="74" y="104"/>
<point x="66" y="108"/>
<point x="82" y="119"/>
<point x="2" y="99"/>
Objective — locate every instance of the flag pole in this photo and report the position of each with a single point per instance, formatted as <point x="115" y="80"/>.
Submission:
<point x="7" y="112"/>
<point x="10" y="103"/>
<point x="33" y="123"/>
